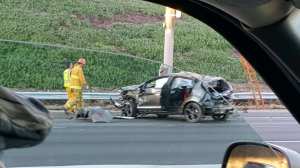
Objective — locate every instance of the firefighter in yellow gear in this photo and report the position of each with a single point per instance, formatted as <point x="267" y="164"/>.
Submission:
<point x="77" y="83"/>
<point x="67" y="80"/>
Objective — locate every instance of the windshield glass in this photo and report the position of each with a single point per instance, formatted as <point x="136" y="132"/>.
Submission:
<point x="89" y="63"/>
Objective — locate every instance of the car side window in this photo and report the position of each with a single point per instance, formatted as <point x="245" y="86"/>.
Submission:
<point x="182" y="82"/>
<point x="157" y="84"/>
<point x="150" y="84"/>
<point x="160" y="83"/>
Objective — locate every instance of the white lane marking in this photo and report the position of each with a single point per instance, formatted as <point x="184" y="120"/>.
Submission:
<point x="276" y="123"/>
<point x="132" y="166"/>
<point x="275" y="117"/>
<point x="275" y="126"/>
<point x="283" y="141"/>
<point x="271" y="124"/>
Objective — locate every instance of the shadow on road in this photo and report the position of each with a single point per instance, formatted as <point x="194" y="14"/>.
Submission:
<point x="178" y="118"/>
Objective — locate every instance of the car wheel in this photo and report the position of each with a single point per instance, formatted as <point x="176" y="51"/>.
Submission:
<point x="220" y="117"/>
<point x="162" y="115"/>
<point x="129" y="109"/>
<point x="193" y="112"/>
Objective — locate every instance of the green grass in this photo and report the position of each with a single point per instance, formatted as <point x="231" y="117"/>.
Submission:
<point x="44" y="68"/>
<point x="197" y="47"/>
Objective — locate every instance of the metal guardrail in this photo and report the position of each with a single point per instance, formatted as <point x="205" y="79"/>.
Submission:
<point x="63" y="95"/>
<point x="249" y="96"/>
<point x="115" y="95"/>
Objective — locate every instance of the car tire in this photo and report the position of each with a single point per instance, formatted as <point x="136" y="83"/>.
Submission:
<point x="220" y="117"/>
<point x="129" y="109"/>
<point x="193" y="112"/>
<point x="162" y="115"/>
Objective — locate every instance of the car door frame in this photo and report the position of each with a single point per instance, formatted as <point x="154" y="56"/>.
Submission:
<point x="168" y="90"/>
<point x="155" y="94"/>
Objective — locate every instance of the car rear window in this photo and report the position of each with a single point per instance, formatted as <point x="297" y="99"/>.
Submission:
<point x="182" y="82"/>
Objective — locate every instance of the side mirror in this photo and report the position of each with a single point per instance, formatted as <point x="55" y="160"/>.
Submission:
<point x="142" y="88"/>
<point x="259" y="155"/>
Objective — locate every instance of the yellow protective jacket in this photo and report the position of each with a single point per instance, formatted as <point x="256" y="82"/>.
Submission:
<point x="67" y="78"/>
<point x="77" y="77"/>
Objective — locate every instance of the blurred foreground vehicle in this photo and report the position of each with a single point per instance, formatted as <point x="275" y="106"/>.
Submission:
<point x="24" y="122"/>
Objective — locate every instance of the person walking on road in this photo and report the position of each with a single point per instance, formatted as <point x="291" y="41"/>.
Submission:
<point x="77" y="84"/>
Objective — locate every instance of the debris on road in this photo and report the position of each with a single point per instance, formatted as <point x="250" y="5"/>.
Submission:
<point x="100" y="115"/>
<point x="96" y="114"/>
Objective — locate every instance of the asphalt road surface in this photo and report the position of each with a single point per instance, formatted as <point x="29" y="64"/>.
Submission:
<point x="152" y="141"/>
<point x="279" y="128"/>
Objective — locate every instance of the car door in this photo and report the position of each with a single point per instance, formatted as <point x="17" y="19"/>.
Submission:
<point x="176" y="93"/>
<point x="149" y="97"/>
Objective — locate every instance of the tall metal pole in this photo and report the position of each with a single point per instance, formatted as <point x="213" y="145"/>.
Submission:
<point x="170" y="20"/>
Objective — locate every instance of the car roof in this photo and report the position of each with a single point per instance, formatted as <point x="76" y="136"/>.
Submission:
<point x="197" y="76"/>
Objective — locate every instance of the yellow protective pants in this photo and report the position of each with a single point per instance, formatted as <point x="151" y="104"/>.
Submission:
<point x="69" y="93"/>
<point x="75" y="102"/>
<point x="70" y="98"/>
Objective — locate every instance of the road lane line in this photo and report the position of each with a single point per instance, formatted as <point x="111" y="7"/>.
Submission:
<point x="273" y="126"/>
<point x="270" y="117"/>
<point x="283" y="141"/>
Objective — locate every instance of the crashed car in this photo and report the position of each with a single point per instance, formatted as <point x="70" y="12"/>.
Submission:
<point x="192" y="95"/>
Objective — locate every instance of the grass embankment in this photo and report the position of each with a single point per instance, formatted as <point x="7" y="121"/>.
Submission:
<point x="112" y="27"/>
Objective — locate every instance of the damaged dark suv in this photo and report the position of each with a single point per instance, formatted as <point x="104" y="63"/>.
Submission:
<point x="193" y="95"/>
